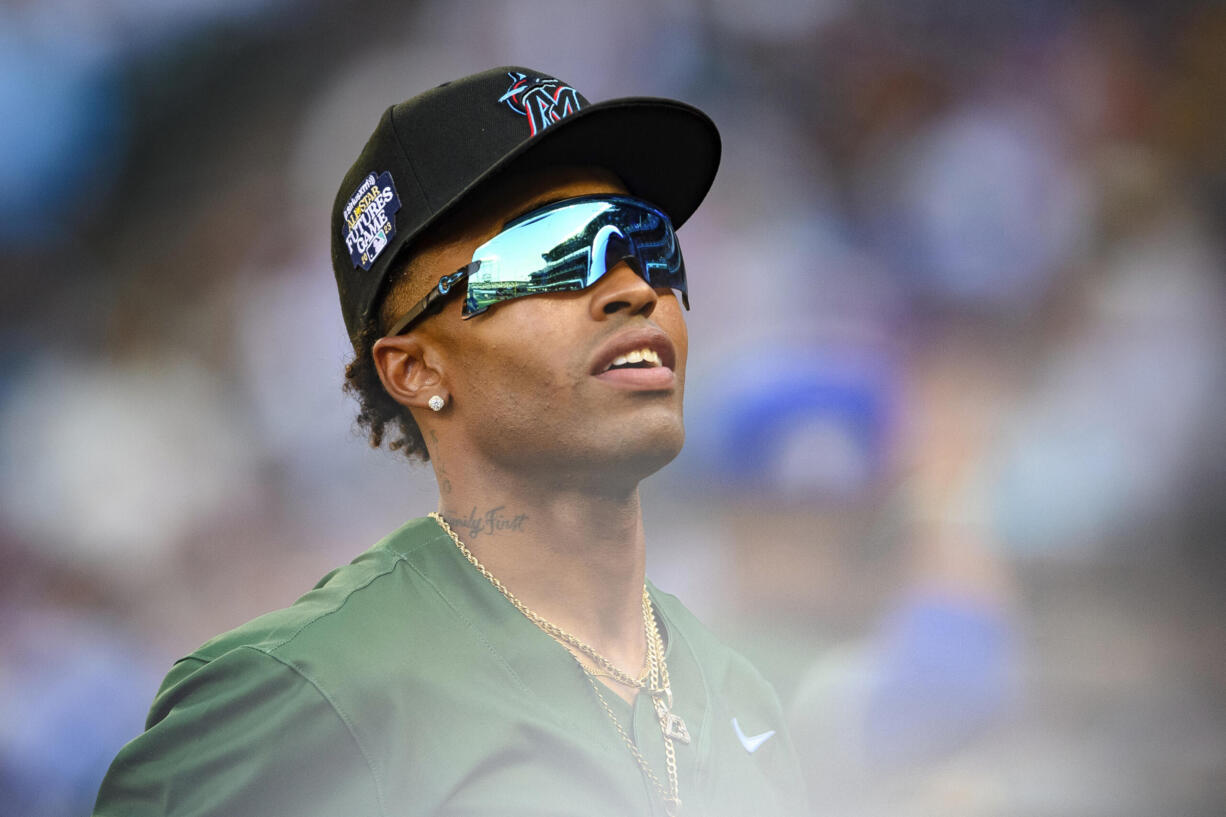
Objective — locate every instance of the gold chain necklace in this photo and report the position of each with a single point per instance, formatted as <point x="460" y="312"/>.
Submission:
<point x="655" y="679"/>
<point x="671" y="726"/>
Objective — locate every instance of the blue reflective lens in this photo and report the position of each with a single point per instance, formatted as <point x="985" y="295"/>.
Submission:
<point x="569" y="245"/>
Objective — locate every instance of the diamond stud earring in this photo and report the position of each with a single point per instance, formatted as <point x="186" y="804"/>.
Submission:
<point x="436" y="403"/>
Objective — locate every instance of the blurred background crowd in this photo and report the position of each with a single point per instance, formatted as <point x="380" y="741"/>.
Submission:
<point x="954" y="476"/>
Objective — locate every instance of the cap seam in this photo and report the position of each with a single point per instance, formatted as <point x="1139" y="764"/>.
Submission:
<point x="408" y="162"/>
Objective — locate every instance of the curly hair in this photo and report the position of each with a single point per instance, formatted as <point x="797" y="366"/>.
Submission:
<point x="376" y="408"/>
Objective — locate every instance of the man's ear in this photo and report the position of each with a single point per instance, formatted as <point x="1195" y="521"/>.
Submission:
<point x="409" y="369"/>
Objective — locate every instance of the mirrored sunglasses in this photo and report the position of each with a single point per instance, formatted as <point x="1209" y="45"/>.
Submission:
<point x="564" y="246"/>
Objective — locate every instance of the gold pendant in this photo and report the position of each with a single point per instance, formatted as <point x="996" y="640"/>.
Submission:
<point x="674" y="727"/>
<point x="670" y="724"/>
<point x="672" y="806"/>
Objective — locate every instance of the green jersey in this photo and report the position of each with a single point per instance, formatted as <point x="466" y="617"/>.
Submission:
<point x="405" y="684"/>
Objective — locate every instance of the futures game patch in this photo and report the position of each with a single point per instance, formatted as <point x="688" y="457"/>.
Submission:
<point x="369" y="225"/>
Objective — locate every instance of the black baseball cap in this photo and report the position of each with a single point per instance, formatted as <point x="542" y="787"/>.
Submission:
<point x="431" y="152"/>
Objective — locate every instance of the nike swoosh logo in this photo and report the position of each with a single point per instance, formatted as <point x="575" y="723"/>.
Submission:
<point x="752" y="743"/>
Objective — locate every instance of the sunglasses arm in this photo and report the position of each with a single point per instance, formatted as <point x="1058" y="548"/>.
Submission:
<point x="433" y="298"/>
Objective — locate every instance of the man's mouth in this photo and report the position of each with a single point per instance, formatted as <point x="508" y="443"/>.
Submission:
<point x="639" y="359"/>
<point x="645" y="358"/>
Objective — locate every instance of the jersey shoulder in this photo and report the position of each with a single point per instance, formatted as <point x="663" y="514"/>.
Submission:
<point x="332" y="612"/>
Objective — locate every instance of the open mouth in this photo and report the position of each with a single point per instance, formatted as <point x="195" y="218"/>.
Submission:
<point x="645" y="358"/>
<point x="640" y="360"/>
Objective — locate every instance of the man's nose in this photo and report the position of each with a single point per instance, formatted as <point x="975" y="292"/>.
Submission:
<point x="622" y="289"/>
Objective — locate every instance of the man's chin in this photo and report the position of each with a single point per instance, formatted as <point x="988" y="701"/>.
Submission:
<point x="612" y="464"/>
<point x="635" y="457"/>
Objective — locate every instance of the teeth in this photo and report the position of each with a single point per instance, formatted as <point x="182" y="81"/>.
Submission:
<point x="637" y="356"/>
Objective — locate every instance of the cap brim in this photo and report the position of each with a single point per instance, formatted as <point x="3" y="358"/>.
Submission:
<point x="664" y="151"/>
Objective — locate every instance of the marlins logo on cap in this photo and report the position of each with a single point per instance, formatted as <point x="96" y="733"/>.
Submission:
<point x="543" y="100"/>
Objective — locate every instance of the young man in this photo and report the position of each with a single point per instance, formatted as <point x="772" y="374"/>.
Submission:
<point x="510" y="278"/>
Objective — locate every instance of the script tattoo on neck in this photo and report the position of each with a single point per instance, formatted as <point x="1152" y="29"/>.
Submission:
<point x="493" y="521"/>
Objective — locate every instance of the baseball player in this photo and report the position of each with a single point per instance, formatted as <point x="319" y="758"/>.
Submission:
<point x="510" y="276"/>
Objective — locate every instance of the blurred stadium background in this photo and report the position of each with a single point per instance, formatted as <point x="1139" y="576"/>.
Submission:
<point x="954" y="476"/>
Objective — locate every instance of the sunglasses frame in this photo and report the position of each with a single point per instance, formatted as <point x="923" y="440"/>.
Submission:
<point x="447" y="284"/>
